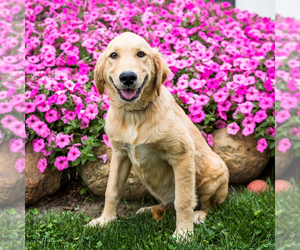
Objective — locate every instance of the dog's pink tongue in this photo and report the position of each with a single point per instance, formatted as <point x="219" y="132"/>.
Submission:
<point x="128" y="93"/>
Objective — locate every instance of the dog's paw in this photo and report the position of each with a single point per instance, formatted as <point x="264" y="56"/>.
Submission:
<point x="102" y="221"/>
<point x="199" y="217"/>
<point x="144" y="210"/>
<point x="181" y="235"/>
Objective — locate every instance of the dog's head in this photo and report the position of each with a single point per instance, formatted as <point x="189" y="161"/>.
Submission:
<point x="131" y="71"/>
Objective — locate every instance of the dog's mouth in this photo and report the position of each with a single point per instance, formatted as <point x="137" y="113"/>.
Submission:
<point x="129" y="94"/>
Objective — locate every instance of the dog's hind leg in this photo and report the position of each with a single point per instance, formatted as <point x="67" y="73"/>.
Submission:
<point x="157" y="211"/>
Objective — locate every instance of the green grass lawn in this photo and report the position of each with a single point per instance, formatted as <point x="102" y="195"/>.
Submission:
<point x="12" y="228"/>
<point x="245" y="221"/>
<point x="288" y="220"/>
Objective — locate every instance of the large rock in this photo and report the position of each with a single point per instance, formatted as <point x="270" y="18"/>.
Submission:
<point x="95" y="175"/>
<point x="37" y="184"/>
<point x="239" y="153"/>
<point x="11" y="180"/>
<point x="282" y="161"/>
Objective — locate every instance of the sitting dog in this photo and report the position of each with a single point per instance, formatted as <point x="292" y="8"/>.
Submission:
<point x="150" y="133"/>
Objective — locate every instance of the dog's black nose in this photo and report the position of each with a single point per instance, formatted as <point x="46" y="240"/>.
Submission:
<point x="128" y="78"/>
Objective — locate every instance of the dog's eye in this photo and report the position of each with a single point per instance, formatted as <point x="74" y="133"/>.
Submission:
<point x="113" y="55"/>
<point x="141" y="54"/>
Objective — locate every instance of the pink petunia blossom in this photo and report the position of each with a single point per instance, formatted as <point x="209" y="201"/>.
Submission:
<point x="103" y="157"/>
<point x="16" y="145"/>
<point x="73" y="154"/>
<point x="248" y="130"/>
<point x="197" y="118"/>
<point x="266" y="103"/>
<point x="61" y="99"/>
<point x="282" y="115"/>
<point x="42" y="165"/>
<point x="289" y="103"/>
<point x="52" y="115"/>
<point x="106" y="140"/>
<point x="61" y="163"/>
<point x="62" y="140"/>
<point x="233" y="128"/>
<point x="260" y="116"/>
<point x="284" y="145"/>
<point x="262" y="145"/>
<point x="91" y="111"/>
<point x="43" y="106"/>
<point x="41" y="129"/>
<point x="29" y="107"/>
<point x="5" y="107"/>
<point x="20" y="165"/>
<point x="220" y="96"/>
<point x="38" y="145"/>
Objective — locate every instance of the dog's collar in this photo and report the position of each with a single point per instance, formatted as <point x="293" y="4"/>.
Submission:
<point x="136" y="110"/>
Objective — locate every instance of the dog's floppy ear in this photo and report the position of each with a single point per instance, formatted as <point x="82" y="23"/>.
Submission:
<point x="161" y="70"/>
<point x="99" y="74"/>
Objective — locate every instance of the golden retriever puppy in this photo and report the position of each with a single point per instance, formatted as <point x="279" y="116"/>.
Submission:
<point x="150" y="133"/>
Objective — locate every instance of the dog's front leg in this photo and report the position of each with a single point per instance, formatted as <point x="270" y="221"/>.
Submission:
<point x="119" y="170"/>
<point x="185" y="194"/>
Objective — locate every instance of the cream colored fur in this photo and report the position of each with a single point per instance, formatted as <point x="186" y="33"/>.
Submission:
<point x="156" y="138"/>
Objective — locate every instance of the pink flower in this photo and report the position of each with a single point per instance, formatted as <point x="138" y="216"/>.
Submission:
<point x="233" y="128"/>
<point x="266" y="103"/>
<point x="29" y="107"/>
<point x="61" y="163"/>
<point x="248" y="130"/>
<point x="16" y="145"/>
<point x="62" y="140"/>
<point x="284" y="145"/>
<point x="289" y="103"/>
<point x="270" y="131"/>
<point x="61" y="99"/>
<point x="210" y="140"/>
<point x="70" y="115"/>
<point x="20" y="165"/>
<point x="38" y="145"/>
<point x="202" y="99"/>
<point x="103" y="157"/>
<point x="42" y="165"/>
<point x="91" y="111"/>
<point x="248" y="122"/>
<point x="73" y="154"/>
<point x="52" y="115"/>
<point x="79" y="107"/>
<point x="197" y="118"/>
<point x="106" y="140"/>
<point x="43" y="106"/>
<point x="5" y="107"/>
<point x="261" y="145"/>
<point x="8" y="120"/>
<point x="82" y="79"/>
<point x="195" y="108"/>
<point x="41" y="129"/>
<point x="224" y="106"/>
<point x="260" y="116"/>
<point x="220" y="96"/>
<point x="220" y="124"/>
<point x="31" y="120"/>
<point x="246" y="107"/>
<point x="282" y="115"/>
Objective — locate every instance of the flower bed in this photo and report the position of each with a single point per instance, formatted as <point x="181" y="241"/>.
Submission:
<point x="222" y="63"/>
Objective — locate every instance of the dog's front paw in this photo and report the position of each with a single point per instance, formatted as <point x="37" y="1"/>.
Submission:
<point x="182" y="235"/>
<point x="102" y="221"/>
